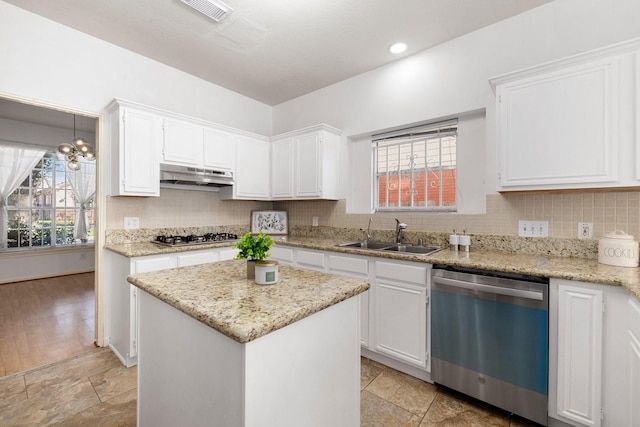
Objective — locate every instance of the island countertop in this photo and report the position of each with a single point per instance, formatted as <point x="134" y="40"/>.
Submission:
<point x="220" y="296"/>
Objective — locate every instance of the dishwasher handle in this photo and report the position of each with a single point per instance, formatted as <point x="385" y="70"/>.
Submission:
<point x="499" y="290"/>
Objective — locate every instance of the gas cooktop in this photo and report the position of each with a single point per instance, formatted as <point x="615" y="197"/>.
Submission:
<point x="192" y="239"/>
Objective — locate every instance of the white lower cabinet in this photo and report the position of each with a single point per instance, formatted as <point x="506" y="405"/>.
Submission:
<point x="400" y="307"/>
<point x="356" y="267"/>
<point x="393" y="316"/>
<point x="122" y="297"/>
<point x="123" y="300"/>
<point x="633" y="350"/>
<point x="589" y="373"/>
<point x="578" y="353"/>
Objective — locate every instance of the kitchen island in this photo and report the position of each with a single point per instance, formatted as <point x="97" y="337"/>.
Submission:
<point x="217" y="349"/>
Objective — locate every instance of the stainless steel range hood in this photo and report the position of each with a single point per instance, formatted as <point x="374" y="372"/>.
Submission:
<point x="190" y="178"/>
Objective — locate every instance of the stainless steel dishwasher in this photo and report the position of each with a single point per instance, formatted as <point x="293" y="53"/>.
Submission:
<point x="490" y="338"/>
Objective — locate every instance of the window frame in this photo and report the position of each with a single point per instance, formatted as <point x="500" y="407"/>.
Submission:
<point x="411" y="137"/>
<point x="52" y="179"/>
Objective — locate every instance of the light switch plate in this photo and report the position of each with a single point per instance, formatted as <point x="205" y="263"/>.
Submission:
<point x="131" y="222"/>
<point x="533" y="228"/>
<point x="314" y="221"/>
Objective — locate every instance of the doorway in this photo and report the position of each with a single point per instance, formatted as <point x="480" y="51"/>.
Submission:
<point x="57" y="289"/>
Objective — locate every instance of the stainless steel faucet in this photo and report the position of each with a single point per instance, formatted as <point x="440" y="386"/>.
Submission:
<point x="369" y="229"/>
<point x="399" y="227"/>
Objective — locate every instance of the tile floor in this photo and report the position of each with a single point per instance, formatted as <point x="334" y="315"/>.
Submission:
<point x="94" y="389"/>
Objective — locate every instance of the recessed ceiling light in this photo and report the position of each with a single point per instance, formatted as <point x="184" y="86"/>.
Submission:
<point x="397" y="48"/>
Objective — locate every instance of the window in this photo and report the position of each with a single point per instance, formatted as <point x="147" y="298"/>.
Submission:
<point x="415" y="169"/>
<point x="42" y="210"/>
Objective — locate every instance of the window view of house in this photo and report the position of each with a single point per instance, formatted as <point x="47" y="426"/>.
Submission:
<point x="49" y="204"/>
<point x="416" y="169"/>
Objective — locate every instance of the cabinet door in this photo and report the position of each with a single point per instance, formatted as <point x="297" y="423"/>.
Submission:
<point x="219" y="148"/>
<point x="634" y="363"/>
<point x="579" y="354"/>
<point x="140" y="146"/>
<point x="558" y="128"/>
<point x="253" y="173"/>
<point x="182" y="143"/>
<point x="400" y="312"/>
<point x="282" y="171"/>
<point x="401" y="321"/>
<point x="143" y="265"/>
<point x="363" y="316"/>
<point x="308" y="165"/>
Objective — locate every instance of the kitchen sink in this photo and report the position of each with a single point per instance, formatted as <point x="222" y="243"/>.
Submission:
<point x="369" y="245"/>
<point x="392" y="247"/>
<point x="419" y="250"/>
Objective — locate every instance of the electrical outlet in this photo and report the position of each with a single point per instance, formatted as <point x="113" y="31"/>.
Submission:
<point x="314" y="221"/>
<point x="533" y="228"/>
<point x="131" y="222"/>
<point x="585" y="230"/>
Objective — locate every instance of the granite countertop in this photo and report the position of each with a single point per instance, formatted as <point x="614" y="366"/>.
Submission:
<point x="578" y="269"/>
<point x="220" y="296"/>
<point x="148" y="248"/>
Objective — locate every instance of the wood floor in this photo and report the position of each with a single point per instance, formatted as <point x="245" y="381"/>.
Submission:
<point x="44" y="321"/>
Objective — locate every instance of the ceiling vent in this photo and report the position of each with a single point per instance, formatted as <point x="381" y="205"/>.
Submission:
<point x="215" y="10"/>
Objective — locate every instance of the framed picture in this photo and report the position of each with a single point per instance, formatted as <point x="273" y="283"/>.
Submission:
<point x="269" y="222"/>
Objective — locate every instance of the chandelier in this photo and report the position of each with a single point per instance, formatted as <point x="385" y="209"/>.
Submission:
<point x="76" y="149"/>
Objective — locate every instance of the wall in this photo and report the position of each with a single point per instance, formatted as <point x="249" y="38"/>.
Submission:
<point x="40" y="61"/>
<point x="48" y="64"/>
<point x="13" y="131"/>
<point x="181" y="208"/>
<point x="38" y="264"/>
<point x="450" y="80"/>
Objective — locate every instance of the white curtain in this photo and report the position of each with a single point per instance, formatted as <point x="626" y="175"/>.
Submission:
<point x="83" y="184"/>
<point x="15" y="165"/>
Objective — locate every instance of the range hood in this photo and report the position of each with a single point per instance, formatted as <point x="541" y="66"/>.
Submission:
<point x="188" y="177"/>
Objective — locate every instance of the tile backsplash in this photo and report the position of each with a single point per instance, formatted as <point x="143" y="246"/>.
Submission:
<point x="608" y="211"/>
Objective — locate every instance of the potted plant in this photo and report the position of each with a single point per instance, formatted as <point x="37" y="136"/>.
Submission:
<point x="253" y="248"/>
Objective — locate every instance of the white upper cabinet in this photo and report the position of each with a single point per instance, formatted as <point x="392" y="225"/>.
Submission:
<point x="191" y="144"/>
<point x="135" y="137"/>
<point x="566" y="124"/>
<point x="306" y="164"/>
<point x="253" y="170"/>
<point x="219" y="149"/>
<point x="282" y="168"/>
<point x="182" y="144"/>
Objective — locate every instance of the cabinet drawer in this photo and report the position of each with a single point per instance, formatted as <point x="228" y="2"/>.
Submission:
<point x="403" y="272"/>
<point x="197" y="257"/>
<point x="281" y="254"/>
<point x="227" y="254"/>
<point x="312" y="259"/>
<point x="350" y="265"/>
<point x="153" y="263"/>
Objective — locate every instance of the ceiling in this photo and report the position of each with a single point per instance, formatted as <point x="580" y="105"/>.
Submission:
<point x="277" y="50"/>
